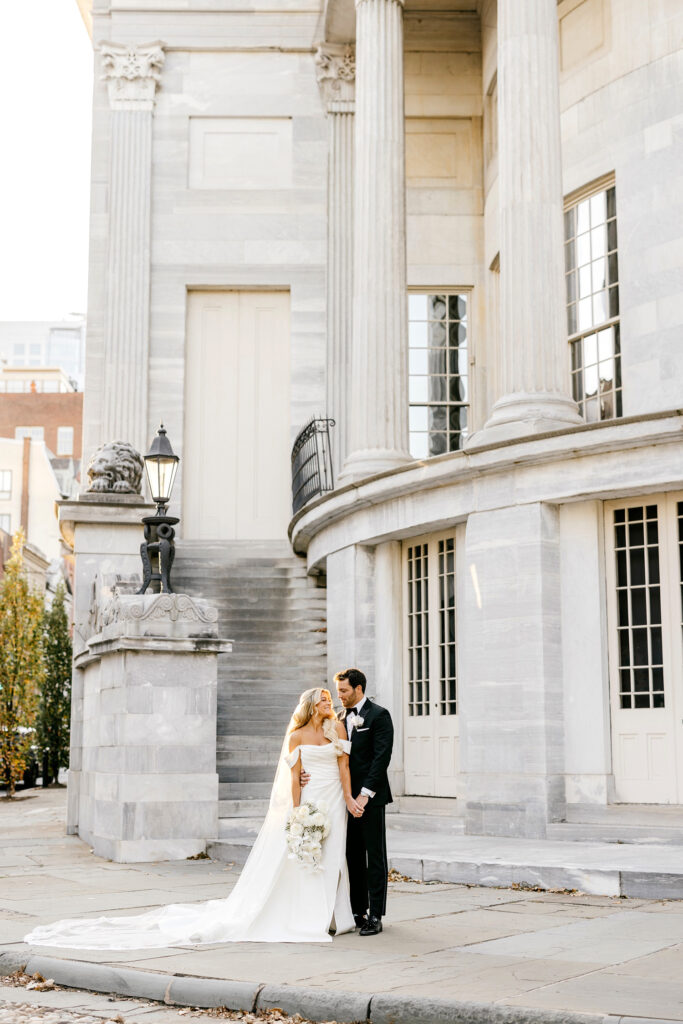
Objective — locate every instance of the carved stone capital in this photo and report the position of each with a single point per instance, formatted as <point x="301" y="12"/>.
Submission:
<point x="132" y="74"/>
<point x="335" y="69"/>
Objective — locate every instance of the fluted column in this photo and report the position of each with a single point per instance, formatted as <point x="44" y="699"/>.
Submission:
<point x="379" y="413"/>
<point x="132" y="75"/>
<point x="533" y="359"/>
<point x="336" y="73"/>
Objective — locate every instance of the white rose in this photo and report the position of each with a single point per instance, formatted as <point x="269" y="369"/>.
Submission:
<point x="317" y="819"/>
<point x="304" y="810"/>
<point x="296" y="829"/>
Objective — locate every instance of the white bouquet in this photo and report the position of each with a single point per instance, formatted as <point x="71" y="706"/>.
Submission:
<point x="307" y="826"/>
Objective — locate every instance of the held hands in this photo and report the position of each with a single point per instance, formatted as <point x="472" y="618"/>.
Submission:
<point x="355" y="806"/>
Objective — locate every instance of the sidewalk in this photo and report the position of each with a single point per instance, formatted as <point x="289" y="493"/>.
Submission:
<point x="510" y="949"/>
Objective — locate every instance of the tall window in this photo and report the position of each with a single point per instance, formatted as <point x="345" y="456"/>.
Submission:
<point x="65" y="440"/>
<point x="418" y="630"/>
<point x="5" y="484"/>
<point x="639" y="607"/>
<point x="592" y="278"/>
<point x="5" y="522"/>
<point x="447" y="649"/>
<point x="438" y="382"/>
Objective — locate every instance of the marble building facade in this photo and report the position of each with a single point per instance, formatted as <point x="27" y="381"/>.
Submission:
<point x="455" y="229"/>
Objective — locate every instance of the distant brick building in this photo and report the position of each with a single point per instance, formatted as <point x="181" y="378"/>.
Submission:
<point x="42" y="404"/>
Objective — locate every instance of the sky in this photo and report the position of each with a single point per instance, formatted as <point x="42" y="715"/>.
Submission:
<point x="45" y="110"/>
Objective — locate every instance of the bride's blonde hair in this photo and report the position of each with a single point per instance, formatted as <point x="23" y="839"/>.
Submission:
<point x="304" y="711"/>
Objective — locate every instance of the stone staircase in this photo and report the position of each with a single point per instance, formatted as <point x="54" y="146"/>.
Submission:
<point x="276" y="617"/>
<point x="648" y="824"/>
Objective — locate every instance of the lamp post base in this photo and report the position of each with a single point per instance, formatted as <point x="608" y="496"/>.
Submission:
<point x="158" y="550"/>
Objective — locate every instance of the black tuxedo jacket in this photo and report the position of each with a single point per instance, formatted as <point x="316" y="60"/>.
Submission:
<point x="371" y="746"/>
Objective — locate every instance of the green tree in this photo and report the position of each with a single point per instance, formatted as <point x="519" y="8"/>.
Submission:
<point x="54" y="711"/>
<point x="21" y="664"/>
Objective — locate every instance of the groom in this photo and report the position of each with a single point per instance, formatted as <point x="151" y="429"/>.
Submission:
<point x="370" y="729"/>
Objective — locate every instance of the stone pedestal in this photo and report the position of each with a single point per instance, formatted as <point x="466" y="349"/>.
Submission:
<point x="149" y="787"/>
<point x="104" y="532"/>
<point x="533" y="356"/>
<point x="511" y="705"/>
<point x="379" y="400"/>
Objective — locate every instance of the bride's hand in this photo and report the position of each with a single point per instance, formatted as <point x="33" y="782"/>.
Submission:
<point x="354" y="807"/>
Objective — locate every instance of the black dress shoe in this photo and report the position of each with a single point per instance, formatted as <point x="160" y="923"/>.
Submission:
<point x="361" y="920"/>
<point x="373" y="926"/>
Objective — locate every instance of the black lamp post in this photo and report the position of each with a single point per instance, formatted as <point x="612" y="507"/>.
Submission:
<point x="158" y="550"/>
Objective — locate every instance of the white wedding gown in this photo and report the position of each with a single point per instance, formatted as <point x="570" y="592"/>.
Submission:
<point x="276" y="899"/>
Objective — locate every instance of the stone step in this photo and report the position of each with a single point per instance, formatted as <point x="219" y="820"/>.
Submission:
<point x="234" y="775"/>
<point x="602" y="869"/>
<point x="664" y="815"/>
<point x="242" y="757"/>
<point x="243" y="791"/>
<point x="254" y="809"/>
<point x="425" y="823"/>
<point x="241" y="828"/>
<point x="248" y="744"/>
<point x="648" y="835"/>
<point x="430" y="805"/>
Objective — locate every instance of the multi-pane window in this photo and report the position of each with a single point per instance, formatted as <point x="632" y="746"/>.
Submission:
<point x="418" y="630"/>
<point x="592" y="279"/>
<point x="438" y="368"/>
<point x="639" y="607"/>
<point x="447" y="649"/>
<point x="35" y="433"/>
<point x="5" y="484"/>
<point x="65" y="440"/>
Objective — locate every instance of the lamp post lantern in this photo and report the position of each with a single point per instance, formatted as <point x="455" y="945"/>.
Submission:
<point x="158" y="548"/>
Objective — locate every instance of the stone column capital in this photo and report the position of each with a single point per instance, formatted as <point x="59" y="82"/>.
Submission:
<point x="132" y="74"/>
<point x="335" y="71"/>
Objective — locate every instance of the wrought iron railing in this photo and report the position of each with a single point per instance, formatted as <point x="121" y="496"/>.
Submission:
<point x="311" y="463"/>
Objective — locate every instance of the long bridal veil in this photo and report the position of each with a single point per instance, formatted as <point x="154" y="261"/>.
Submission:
<point x="184" y="924"/>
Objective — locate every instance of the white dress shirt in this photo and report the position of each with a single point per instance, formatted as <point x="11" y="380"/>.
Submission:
<point x="356" y="711"/>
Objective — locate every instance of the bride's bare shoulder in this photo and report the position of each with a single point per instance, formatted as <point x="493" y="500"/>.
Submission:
<point x="295" y="739"/>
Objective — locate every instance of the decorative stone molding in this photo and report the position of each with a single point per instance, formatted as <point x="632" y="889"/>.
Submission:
<point x="335" y="70"/>
<point x="132" y="74"/>
<point x="158" y="608"/>
<point x="115" y="468"/>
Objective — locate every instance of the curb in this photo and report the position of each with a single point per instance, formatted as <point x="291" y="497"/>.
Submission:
<point x="313" y="1003"/>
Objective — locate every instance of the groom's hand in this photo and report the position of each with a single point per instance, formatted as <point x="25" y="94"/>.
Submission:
<point x="304" y="778"/>
<point x="362" y="801"/>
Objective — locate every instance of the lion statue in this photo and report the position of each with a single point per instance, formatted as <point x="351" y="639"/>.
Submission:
<point x="115" y="467"/>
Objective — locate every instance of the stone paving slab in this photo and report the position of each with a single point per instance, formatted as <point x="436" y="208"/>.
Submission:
<point x="517" y="952"/>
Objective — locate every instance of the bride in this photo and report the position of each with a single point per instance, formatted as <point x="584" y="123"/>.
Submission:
<point x="277" y="898"/>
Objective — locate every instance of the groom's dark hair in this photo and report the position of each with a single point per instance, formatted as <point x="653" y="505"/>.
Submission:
<point x="353" y="676"/>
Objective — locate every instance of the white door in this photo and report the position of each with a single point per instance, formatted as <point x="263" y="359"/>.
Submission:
<point x="431" y="738"/>
<point x="236" y="464"/>
<point x="643" y="548"/>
